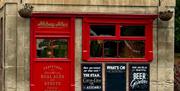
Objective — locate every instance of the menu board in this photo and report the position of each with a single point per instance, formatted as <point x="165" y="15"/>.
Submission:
<point x="91" y="77"/>
<point x="115" y="77"/>
<point x="139" y="77"/>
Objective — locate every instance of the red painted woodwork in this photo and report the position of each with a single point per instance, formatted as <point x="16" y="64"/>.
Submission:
<point x="118" y="21"/>
<point x="57" y="74"/>
<point x="52" y="74"/>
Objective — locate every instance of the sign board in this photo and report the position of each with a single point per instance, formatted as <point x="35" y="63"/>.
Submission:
<point x="91" y="77"/>
<point x="51" y="76"/>
<point x="139" y="77"/>
<point x="115" y="77"/>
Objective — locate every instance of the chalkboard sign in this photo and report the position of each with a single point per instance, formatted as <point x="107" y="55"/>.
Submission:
<point x="115" y="77"/>
<point x="139" y="77"/>
<point x="91" y="77"/>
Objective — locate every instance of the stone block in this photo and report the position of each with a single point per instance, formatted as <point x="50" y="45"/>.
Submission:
<point x="169" y="75"/>
<point x="166" y="24"/>
<point x="12" y="1"/>
<point x="167" y="3"/>
<point x="153" y="72"/>
<point x="20" y="41"/>
<point x="11" y="9"/>
<point x="78" y="47"/>
<point x="96" y="9"/>
<point x="27" y="34"/>
<point x="98" y="2"/>
<point x="10" y="27"/>
<point x="26" y="85"/>
<point x="153" y="86"/>
<point x="161" y="88"/>
<point x="169" y="87"/>
<point x="166" y="35"/>
<point x="1" y="79"/>
<point x="10" y="53"/>
<point x="161" y="74"/>
<point x="10" y="78"/>
<point x="20" y="79"/>
<point x="10" y="89"/>
<point x="165" y="48"/>
<point x="27" y="64"/>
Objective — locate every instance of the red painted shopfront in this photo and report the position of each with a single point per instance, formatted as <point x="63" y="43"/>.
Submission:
<point x="51" y="69"/>
<point x="52" y="45"/>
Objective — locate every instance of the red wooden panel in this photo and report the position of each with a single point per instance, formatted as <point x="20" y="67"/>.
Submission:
<point x="52" y="74"/>
<point x="54" y="25"/>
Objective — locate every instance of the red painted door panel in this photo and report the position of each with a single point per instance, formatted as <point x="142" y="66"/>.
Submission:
<point x="51" y="76"/>
<point x="52" y="54"/>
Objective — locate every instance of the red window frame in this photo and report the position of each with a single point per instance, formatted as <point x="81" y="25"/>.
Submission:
<point x="44" y="34"/>
<point x="148" y="38"/>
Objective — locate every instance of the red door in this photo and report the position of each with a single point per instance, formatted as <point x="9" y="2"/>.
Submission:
<point x="52" y="54"/>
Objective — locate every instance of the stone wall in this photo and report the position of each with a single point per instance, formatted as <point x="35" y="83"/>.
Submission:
<point x="17" y="37"/>
<point x="1" y="52"/>
<point x="2" y="49"/>
<point x="98" y="2"/>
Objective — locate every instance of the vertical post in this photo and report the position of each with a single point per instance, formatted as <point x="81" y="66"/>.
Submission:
<point x="1" y="55"/>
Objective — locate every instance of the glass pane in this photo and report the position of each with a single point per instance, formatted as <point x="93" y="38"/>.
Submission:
<point x="100" y="48"/>
<point x="110" y="49"/>
<point x="96" y="48"/>
<point x="131" y="49"/>
<point x="132" y="30"/>
<point x="102" y="30"/>
<point x="51" y="48"/>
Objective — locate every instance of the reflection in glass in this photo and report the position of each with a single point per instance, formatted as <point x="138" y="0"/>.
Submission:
<point x="51" y="48"/>
<point x="117" y="49"/>
<point x="96" y="48"/>
<point x="110" y="48"/>
<point x="102" y="48"/>
<point x="131" y="49"/>
<point x="102" y="30"/>
<point x="132" y="30"/>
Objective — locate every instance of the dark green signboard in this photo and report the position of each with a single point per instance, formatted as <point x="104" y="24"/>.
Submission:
<point x="139" y="77"/>
<point x="91" y="77"/>
<point x="115" y="77"/>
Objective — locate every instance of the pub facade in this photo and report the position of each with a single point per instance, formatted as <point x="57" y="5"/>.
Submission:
<point x="87" y="45"/>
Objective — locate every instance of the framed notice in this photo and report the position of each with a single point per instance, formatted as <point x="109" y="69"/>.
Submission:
<point x="91" y="77"/>
<point x="139" y="77"/>
<point x="115" y="77"/>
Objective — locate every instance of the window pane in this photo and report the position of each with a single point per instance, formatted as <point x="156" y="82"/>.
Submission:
<point x="102" y="30"/>
<point x="100" y="48"/>
<point x="110" y="49"/>
<point x="131" y="49"/>
<point x="96" y="48"/>
<point x="51" y="48"/>
<point x="132" y="30"/>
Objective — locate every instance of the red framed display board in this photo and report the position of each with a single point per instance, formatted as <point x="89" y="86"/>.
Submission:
<point x="52" y="54"/>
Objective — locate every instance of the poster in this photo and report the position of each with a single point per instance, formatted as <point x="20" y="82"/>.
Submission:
<point x="91" y="77"/>
<point x="139" y="77"/>
<point x="115" y="77"/>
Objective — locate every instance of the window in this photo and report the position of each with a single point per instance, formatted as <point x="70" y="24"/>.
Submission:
<point x="117" y="40"/>
<point x="51" y="48"/>
<point x="52" y="39"/>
